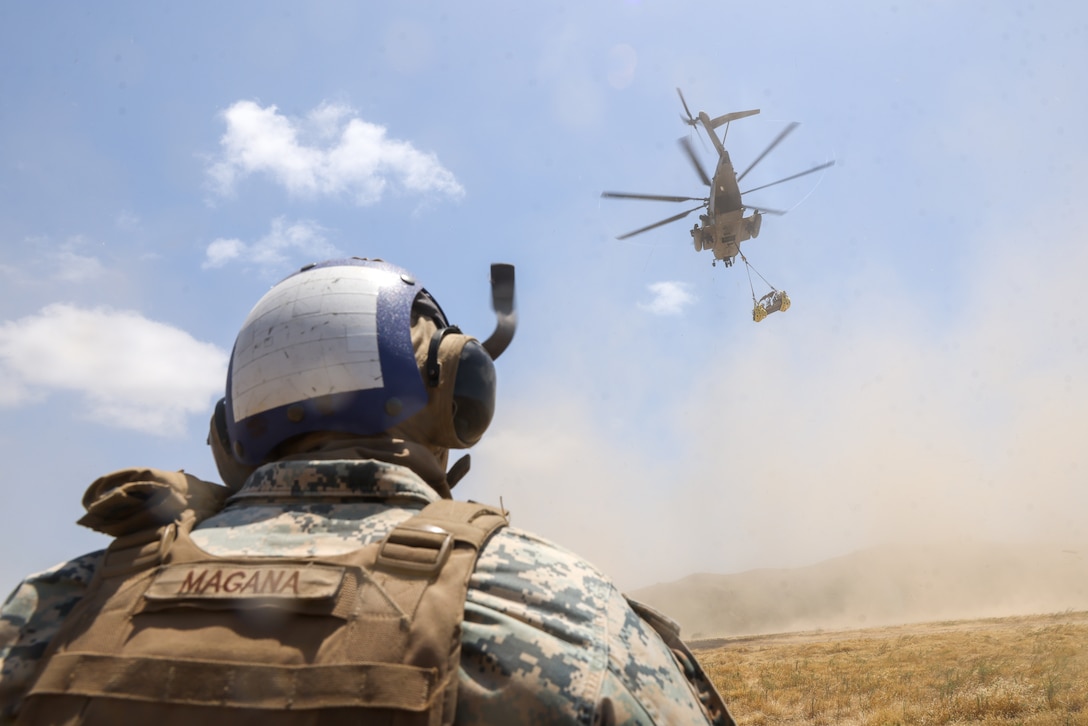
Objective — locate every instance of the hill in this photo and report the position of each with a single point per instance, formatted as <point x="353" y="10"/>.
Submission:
<point x="884" y="585"/>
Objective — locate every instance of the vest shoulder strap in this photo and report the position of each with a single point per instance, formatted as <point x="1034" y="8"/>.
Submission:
<point x="423" y="543"/>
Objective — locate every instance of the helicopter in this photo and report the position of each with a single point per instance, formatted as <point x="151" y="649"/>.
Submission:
<point x="723" y="226"/>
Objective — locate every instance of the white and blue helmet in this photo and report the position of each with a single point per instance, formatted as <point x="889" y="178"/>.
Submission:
<point x="330" y="349"/>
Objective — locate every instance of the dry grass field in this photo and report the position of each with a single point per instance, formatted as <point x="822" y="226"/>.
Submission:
<point x="1030" y="670"/>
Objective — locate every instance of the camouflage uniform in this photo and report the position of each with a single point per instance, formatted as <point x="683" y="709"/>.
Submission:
<point x="546" y="637"/>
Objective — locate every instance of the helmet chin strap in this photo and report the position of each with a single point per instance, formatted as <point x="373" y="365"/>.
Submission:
<point x="433" y="369"/>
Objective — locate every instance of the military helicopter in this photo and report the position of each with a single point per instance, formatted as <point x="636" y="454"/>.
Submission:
<point x="724" y="225"/>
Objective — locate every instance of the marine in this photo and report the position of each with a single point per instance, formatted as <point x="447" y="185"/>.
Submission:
<point x="332" y="578"/>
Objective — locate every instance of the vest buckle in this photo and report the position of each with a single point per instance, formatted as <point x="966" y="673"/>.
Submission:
<point x="420" y="550"/>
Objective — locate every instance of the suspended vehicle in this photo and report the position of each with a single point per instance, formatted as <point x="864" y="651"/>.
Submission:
<point x="772" y="302"/>
<point x="727" y="220"/>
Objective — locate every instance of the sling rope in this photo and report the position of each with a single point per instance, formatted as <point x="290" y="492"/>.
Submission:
<point x="750" y="269"/>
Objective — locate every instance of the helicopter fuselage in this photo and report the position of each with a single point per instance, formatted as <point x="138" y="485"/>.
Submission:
<point x="724" y="226"/>
<point x="726" y="194"/>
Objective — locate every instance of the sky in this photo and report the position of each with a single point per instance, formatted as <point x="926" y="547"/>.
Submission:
<point x="162" y="165"/>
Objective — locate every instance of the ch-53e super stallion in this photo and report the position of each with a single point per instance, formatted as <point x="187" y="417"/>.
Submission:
<point x="727" y="220"/>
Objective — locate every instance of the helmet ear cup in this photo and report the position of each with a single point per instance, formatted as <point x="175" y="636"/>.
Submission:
<point x="232" y="472"/>
<point x="461" y="376"/>
<point x="219" y="435"/>
<point x="473" y="393"/>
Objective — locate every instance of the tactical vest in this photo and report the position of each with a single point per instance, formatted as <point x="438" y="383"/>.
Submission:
<point x="168" y="634"/>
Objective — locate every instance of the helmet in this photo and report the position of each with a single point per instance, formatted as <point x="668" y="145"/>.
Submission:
<point x="355" y="346"/>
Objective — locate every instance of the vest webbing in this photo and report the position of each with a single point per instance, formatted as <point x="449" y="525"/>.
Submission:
<point x="168" y="634"/>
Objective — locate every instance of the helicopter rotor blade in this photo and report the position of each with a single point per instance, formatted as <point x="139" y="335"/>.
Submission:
<point x="653" y="197"/>
<point x="690" y="120"/>
<point x="790" y="178"/>
<point x="766" y="151"/>
<point x="684" y="142"/>
<point x="663" y="222"/>
<point x="764" y="210"/>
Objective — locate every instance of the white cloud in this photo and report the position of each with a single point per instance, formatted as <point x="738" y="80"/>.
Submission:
<point x="669" y="298"/>
<point x="70" y="266"/>
<point x="330" y="152"/>
<point x="131" y="372"/>
<point x="222" y="251"/>
<point x="44" y="259"/>
<point x="275" y="248"/>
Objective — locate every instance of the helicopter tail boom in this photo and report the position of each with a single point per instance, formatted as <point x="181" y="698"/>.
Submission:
<point x="710" y="124"/>
<point x="726" y="118"/>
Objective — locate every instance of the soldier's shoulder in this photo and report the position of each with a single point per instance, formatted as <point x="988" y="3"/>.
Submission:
<point x="549" y="638"/>
<point x="71" y="575"/>
<point x="549" y="591"/>
<point x="540" y="564"/>
<point x="30" y="618"/>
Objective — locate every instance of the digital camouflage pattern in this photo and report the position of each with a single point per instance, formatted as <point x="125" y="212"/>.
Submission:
<point x="29" y="619"/>
<point x="546" y="637"/>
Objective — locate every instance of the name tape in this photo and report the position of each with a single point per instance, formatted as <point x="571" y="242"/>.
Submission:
<point x="232" y="581"/>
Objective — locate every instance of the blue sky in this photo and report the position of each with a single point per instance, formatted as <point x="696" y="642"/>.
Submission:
<point x="162" y="165"/>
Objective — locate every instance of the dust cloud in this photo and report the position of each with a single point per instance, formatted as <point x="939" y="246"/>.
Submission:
<point x="954" y="418"/>
<point x="879" y="586"/>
